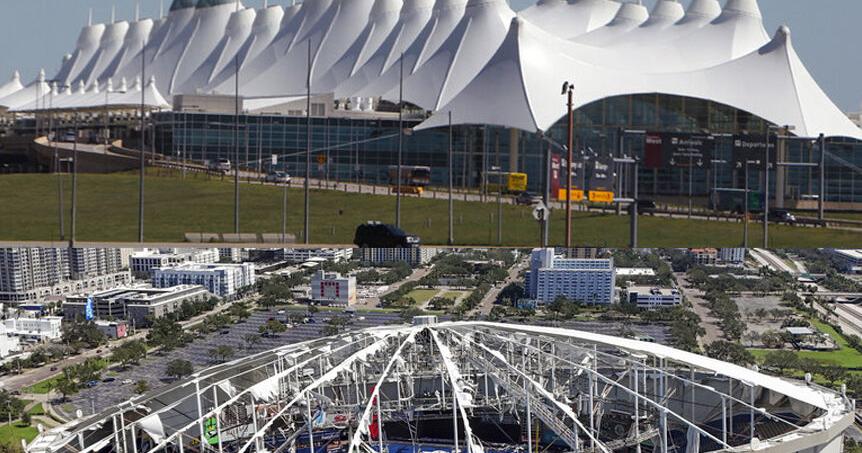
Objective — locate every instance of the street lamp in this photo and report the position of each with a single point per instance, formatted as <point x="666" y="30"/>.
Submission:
<point x="568" y="90"/>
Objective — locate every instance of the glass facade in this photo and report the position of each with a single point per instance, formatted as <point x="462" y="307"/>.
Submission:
<point x="354" y="149"/>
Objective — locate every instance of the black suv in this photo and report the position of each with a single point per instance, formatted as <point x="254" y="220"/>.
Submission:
<point x="380" y="235"/>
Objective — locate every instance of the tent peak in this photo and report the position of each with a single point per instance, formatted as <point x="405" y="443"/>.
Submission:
<point x="704" y="8"/>
<point x="743" y="8"/>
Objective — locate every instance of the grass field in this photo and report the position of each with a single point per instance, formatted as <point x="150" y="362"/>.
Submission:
<point x="12" y="434"/>
<point x="845" y="356"/>
<point x="454" y="295"/>
<point x="421" y="296"/>
<point x="42" y="387"/>
<point x="37" y="409"/>
<point x="107" y="212"/>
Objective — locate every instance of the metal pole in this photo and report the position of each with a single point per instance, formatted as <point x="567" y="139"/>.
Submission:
<point x="236" y="147"/>
<point x="634" y="213"/>
<point x="570" y="157"/>
<point x="451" y="185"/>
<point x="400" y="140"/>
<point x="637" y="410"/>
<point x="143" y="145"/>
<point x="306" y="187"/>
<point x="547" y="197"/>
<point x="529" y="421"/>
<point x="766" y="194"/>
<point x="745" y="205"/>
<point x="379" y="422"/>
<point x="821" y="205"/>
<point x="311" y="424"/>
<point x="74" y="185"/>
<point x="690" y="183"/>
<point x="499" y="188"/>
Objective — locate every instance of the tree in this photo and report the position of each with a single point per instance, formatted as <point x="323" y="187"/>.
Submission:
<point x="66" y="386"/>
<point x="82" y="335"/>
<point x="26" y="418"/>
<point x="142" y="387"/>
<point x="563" y="308"/>
<point x="729" y="352"/>
<point x="409" y="313"/>
<point x="497" y="313"/>
<point x="10" y="406"/>
<point x="251" y="340"/>
<point x="167" y="334"/>
<point x="440" y="303"/>
<point x="772" y="339"/>
<point x="179" y="368"/>
<point x="130" y="352"/>
<point x="336" y="325"/>
<point x="833" y="373"/>
<point x="221" y="353"/>
<point x="273" y="327"/>
<point x="781" y="360"/>
<point x="240" y="311"/>
<point x="312" y="309"/>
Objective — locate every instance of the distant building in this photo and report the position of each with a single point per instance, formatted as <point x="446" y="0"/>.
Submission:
<point x="635" y="272"/>
<point x="848" y="261"/>
<point x="42" y="329"/>
<point x="9" y="343"/>
<point x="704" y="257"/>
<point x="31" y="274"/>
<point x="330" y="288"/>
<point x="328" y="254"/>
<point x="142" y="263"/>
<point x="137" y="305"/>
<point x="223" y="280"/>
<point x="230" y="255"/>
<point x="414" y="256"/>
<point x="113" y="329"/>
<point x="734" y="256"/>
<point x="651" y="298"/>
<point x="589" y="281"/>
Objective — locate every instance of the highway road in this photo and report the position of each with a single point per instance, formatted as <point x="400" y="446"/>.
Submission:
<point x="487" y="302"/>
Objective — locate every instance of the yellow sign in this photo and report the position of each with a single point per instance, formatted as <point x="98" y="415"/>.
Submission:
<point x="601" y="196"/>
<point x="577" y="195"/>
<point x="517" y="182"/>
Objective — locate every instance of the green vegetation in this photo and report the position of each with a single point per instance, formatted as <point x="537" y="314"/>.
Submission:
<point x="37" y="409"/>
<point x="845" y="356"/>
<point x="176" y="206"/>
<point x="12" y="434"/>
<point x="42" y="387"/>
<point x="176" y="369"/>
<point x="421" y="296"/>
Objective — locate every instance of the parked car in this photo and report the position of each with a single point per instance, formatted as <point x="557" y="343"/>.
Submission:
<point x="278" y="177"/>
<point x="128" y="381"/>
<point x="380" y="235"/>
<point x="646" y="206"/>
<point x="68" y="137"/>
<point x="528" y="199"/>
<point x="782" y="216"/>
<point x="222" y="165"/>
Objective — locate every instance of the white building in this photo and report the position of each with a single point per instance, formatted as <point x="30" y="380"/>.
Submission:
<point x="223" y="280"/>
<point x="30" y="274"/>
<point x="848" y="261"/>
<point x="9" y="344"/>
<point x="46" y="328"/>
<point x="651" y="298"/>
<point x="704" y="257"/>
<point x="142" y="263"/>
<point x="230" y="255"/>
<point x="733" y="256"/>
<point x="589" y="281"/>
<point x="414" y="256"/>
<point x="330" y="288"/>
<point x="139" y="305"/>
<point x="327" y="254"/>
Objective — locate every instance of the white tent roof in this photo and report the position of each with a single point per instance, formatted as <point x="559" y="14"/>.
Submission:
<point x="569" y="19"/>
<point x="109" y="46"/>
<point x="129" y="55"/>
<point x="88" y="45"/>
<point x="35" y="90"/>
<point x="80" y="97"/>
<point x="12" y="86"/>
<point x="518" y="87"/>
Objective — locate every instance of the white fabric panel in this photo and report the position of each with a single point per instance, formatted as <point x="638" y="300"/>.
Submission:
<point x="110" y="44"/>
<point x="573" y="18"/>
<point x="12" y="86"/>
<point x="88" y="45"/>
<point x="412" y="22"/>
<point x="129" y="54"/>
<point x="29" y="94"/>
<point x="152" y="425"/>
<point x="208" y="29"/>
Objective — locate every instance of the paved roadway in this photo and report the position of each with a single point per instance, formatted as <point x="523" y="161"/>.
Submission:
<point x="699" y="306"/>
<point x="487" y="302"/>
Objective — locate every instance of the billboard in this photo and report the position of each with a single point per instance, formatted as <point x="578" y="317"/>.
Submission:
<point x="678" y="150"/>
<point x="89" y="314"/>
<point x="751" y="147"/>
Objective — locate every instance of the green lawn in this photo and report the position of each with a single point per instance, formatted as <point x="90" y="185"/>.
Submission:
<point x="42" y="387"/>
<point x="12" y="434"/>
<point x="107" y="212"/>
<point x="454" y="295"/>
<point x="845" y="356"/>
<point x="421" y="296"/>
<point x="37" y="410"/>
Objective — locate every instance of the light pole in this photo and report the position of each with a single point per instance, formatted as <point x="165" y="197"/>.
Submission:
<point x="143" y="145"/>
<point x="306" y="187"/>
<point x="74" y="185"/>
<point x="568" y="90"/>
<point x="236" y="143"/>
<point x="821" y="204"/>
<point x="400" y="140"/>
<point x="451" y="184"/>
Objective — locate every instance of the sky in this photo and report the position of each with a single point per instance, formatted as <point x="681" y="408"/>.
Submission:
<point x="37" y="33"/>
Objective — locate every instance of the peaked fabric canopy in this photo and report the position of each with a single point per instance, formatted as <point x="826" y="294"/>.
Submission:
<point x="468" y="56"/>
<point x="12" y="86"/>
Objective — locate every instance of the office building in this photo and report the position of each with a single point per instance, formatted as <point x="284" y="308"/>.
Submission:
<point x="46" y="328"/>
<point x="414" y="256"/>
<point x="653" y="298"/>
<point x="704" y="257"/>
<point x="9" y="343"/>
<point x="223" y="280"/>
<point x="588" y="281"/>
<point x="302" y="255"/>
<point x="230" y="255"/>
<point x="330" y="288"/>
<point x="732" y="256"/>
<point x="113" y="329"/>
<point x="32" y="274"/>
<point x="142" y="263"/>
<point x="848" y="261"/>
<point x="137" y="305"/>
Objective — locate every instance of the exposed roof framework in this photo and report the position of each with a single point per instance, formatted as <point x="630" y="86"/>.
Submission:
<point x="586" y="388"/>
<point x="467" y="56"/>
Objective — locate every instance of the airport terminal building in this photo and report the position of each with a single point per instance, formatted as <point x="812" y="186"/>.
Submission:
<point x="696" y="93"/>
